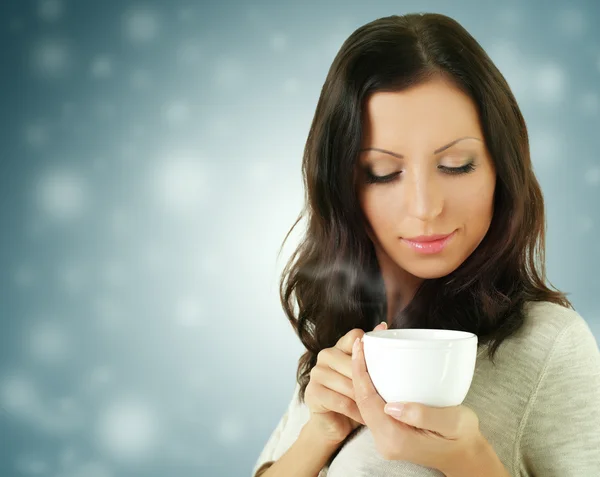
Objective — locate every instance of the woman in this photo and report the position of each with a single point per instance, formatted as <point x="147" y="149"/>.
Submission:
<point x="424" y="212"/>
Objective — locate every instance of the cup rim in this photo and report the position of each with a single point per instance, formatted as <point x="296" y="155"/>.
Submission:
<point x="453" y="336"/>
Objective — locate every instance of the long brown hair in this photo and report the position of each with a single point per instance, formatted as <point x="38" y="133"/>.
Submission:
<point x="334" y="274"/>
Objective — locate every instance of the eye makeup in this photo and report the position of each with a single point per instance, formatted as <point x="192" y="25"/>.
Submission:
<point x="464" y="169"/>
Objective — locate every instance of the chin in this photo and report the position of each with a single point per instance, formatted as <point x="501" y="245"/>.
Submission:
<point x="431" y="270"/>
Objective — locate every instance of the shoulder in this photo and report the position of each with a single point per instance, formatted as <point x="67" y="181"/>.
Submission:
<point x="548" y="331"/>
<point x="565" y="395"/>
<point x="554" y="334"/>
<point x="546" y="323"/>
<point x="550" y="317"/>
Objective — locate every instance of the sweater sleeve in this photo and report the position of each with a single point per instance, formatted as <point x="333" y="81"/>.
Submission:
<point x="561" y="432"/>
<point x="269" y="452"/>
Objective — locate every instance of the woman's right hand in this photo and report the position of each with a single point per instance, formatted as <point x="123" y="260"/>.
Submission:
<point x="329" y="394"/>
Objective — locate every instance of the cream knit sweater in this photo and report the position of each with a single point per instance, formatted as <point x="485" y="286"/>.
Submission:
<point x="539" y="406"/>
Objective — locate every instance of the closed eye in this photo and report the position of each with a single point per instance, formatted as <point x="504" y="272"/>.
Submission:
<point x="469" y="167"/>
<point x="373" y="179"/>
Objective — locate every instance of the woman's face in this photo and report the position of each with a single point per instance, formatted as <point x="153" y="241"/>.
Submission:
<point x="441" y="178"/>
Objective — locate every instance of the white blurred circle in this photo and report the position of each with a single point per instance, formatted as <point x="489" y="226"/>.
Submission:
<point x="68" y="456"/>
<point x="101" y="67"/>
<point x="186" y="14"/>
<point x="260" y="171"/>
<point x="180" y="184"/>
<point x="29" y="464"/>
<point x="50" y="10"/>
<point x="291" y="85"/>
<point x="18" y="395"/>
<point x="62" y="194"/>
<point x="71" y="277"/>
<point x="51" y="58"/>
<point x="592" y="175"/>
<point x="140" y="79"/>
<point x="584" y="223"/>
<point x="189" y="52"/>
<point x="220" y="126"/>
<point x="36" y="135"/>
<point x="230" y="430"/>
<point x="546" y="147"/>
<point x="189" y="311"/>
<point x="509" y="16"/>
<point x="589" y="103"/>
<point x="141" y="24"/>
<point x="278" y="42"/>
<point x="114" y="273"/>
<point x="228" y="73"/>
<point x="128" y="429"/>
<point x="61" y="416"/>
<point x="109" y="313"/>
<point x="210" y="264"/>
<point x="509" y="59"/>
<point x="571" y="21"/>
<point x="15" y="25"/>
<point x="101" y="376"/>
<point x="119" y="222"/>
<point x="550" y="83"/>
<point x="24" y="276"/>
<point x="90" y="469"/>
<point x="48" y="342"/>
<point x="105" y="110"/>
<point x="176" y="112"/>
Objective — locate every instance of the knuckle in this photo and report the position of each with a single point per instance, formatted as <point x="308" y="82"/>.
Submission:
<point x="355" y="333"/>
<point x="323" y="355"/>
<point x="362" y="396"/>
<point x="308" y="398"/>
<point x="464" y="423"/>
<point x="384" y="450"/>
<point x="344" y="405"/>
<point x="312" y="396"/>
<point x="398" y="438"/>
<point x="387" y="445"/>
<point x="458" y="426"/>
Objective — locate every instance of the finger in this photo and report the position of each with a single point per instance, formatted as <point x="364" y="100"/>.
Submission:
<point x="332" y="401"/>
<point x="337" y="360"/>
<point x="345" y="342"/>
<point x="381" y="326"/>
<point x="333" y="380"/>
<point x="450" y="422"/>
<point x="369" y="402"/>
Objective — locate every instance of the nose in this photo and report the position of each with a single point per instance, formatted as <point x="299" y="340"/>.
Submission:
<point x="425" y="199"/>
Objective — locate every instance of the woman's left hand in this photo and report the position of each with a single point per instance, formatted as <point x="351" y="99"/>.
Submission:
<point x="444" y="438"/>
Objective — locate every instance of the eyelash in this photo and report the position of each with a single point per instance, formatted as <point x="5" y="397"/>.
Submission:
<point x="470" y="167"/>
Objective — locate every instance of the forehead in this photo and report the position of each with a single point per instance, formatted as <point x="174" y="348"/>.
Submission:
<point x="430" y="112"/>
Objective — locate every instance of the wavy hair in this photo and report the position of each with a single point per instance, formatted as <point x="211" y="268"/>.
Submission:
<point x="334" y="274"/>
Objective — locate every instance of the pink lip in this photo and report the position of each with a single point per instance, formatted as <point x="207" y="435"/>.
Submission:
<point x="429" y="244"/>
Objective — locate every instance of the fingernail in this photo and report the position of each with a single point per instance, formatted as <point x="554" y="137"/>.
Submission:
<point x="384" y="323"/>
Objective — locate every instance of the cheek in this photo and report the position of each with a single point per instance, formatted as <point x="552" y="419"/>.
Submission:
<point x="383" y="209"/>
<point x="472" y="200"/>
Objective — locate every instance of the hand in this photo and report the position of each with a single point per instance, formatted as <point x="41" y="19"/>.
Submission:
<point x="329" y="394"/>
<point x="443" y="438"/>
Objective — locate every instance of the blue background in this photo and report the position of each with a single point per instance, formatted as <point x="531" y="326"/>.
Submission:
<point x="149" y="169"/>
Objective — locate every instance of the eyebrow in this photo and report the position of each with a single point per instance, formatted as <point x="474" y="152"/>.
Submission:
<point x="437" y="151"/>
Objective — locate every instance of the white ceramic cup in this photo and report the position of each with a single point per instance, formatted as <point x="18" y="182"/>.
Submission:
<point x="429" y="366"/>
